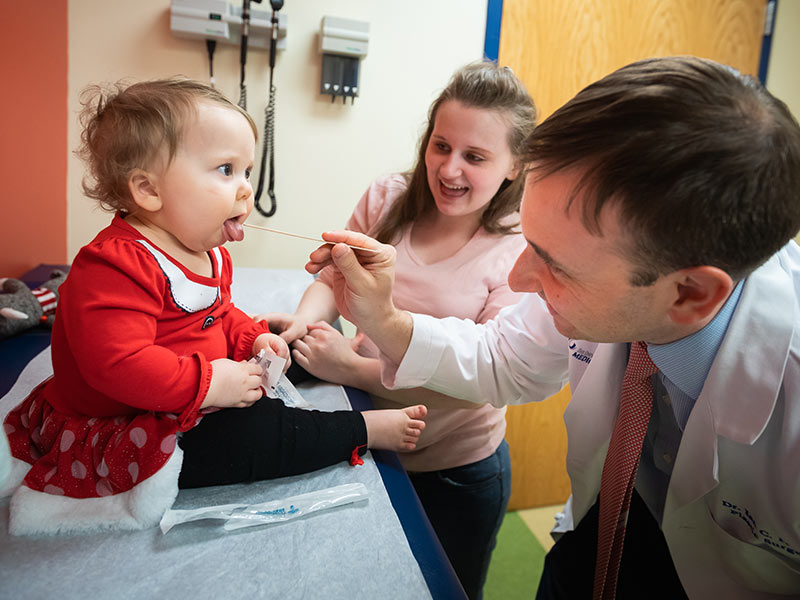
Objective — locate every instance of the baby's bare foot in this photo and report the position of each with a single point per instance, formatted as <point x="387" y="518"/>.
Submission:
<point x="395" y="429"/>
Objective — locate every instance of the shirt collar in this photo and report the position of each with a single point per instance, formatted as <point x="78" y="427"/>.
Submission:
<point x="687" y="361"/>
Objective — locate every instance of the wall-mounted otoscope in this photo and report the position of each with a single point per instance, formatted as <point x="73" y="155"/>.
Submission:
<point x="243" y="52"/>
<point x="269" y="124"/>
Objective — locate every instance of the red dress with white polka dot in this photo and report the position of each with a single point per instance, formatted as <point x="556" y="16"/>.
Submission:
<point x="132" y="344"/>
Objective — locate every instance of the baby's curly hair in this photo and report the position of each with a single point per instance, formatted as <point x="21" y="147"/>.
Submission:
<point x="127" y="127"/>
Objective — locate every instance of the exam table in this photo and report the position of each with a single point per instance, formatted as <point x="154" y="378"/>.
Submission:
<point x="381" y="548"/>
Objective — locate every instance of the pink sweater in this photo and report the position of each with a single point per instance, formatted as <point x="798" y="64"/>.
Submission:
<point x="471" y="284"/>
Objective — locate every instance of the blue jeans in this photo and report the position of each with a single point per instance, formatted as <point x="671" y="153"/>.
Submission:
<point x="466" y="506"/>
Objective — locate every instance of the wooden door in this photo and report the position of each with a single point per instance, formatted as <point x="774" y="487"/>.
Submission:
<point x="557" y="47"/>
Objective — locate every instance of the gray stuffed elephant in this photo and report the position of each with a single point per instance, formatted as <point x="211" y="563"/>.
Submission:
<point x="22" y="308"/>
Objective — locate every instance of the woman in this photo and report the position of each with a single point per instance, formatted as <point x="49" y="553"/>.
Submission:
<point x="453" y="220"/>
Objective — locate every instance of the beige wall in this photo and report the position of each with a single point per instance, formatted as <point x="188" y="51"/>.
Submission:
<point x="326" y="154"/>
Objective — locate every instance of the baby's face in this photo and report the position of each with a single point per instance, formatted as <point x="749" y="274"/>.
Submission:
<point x="206" y="191"/>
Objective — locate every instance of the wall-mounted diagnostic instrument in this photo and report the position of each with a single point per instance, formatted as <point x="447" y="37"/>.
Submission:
<point x="222" y="21"/>
<point x="343" y="43"/>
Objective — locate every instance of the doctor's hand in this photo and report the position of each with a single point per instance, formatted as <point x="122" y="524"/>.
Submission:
<point x="362" y="281"/>
<point x="289" y="326"/>
<point x="327" y="354"/>
<point x="362" y="288"/>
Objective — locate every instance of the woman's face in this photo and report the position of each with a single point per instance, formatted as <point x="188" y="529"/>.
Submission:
<point x="467" y="158"/>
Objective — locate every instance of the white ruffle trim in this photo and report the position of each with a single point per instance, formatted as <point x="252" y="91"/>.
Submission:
<point x="32" y="512"/>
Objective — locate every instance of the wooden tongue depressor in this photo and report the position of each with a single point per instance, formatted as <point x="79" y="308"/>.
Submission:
<point x="305" y="237"/>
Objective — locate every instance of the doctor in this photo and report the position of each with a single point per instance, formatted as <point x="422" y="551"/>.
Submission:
<point x="658" y="212"/>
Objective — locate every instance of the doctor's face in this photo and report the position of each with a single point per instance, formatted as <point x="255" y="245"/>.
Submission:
<point x="585" y="278"/>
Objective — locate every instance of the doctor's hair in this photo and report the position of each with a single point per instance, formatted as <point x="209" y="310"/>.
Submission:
<point x="702" y="162"/>
<point x="137" y="126"/>
<point x="483" y="85"/>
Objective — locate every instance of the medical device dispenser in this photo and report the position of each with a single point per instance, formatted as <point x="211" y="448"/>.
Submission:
<point x="221" y="21"/>
<point x="343" y="43"/>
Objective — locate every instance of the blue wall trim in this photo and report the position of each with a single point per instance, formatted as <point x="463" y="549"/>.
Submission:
<point x="766" y="41"/>
<point x="494" y="16"/>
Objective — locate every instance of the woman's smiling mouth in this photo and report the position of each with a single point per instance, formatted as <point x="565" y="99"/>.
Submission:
<point x="453" y="191"/>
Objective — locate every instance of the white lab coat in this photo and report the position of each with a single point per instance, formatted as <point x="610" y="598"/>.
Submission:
<point x="732" y="513"/>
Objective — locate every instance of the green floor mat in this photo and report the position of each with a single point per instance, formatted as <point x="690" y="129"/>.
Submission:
<point x="516" y="564"/>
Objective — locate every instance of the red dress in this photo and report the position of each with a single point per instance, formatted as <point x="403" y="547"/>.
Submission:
<point x="131" y="349"/>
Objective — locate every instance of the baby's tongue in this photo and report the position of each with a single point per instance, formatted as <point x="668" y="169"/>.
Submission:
<point x="234" y="230"/>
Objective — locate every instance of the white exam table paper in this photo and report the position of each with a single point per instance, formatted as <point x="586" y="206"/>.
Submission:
<point x="349" y="552"/>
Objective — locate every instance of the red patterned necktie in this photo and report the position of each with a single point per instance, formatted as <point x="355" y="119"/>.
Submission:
<point x="619" y="469"/>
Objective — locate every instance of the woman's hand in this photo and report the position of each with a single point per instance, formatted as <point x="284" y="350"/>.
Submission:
<point x="327" y="354"/>
<point x="289" y="326"/>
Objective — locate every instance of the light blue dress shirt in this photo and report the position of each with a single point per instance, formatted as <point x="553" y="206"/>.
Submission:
<point x="683" y="366"/>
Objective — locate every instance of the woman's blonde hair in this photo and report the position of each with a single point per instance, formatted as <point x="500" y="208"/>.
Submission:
<point x="482" y="85"/>
<point x="127" y="127"/>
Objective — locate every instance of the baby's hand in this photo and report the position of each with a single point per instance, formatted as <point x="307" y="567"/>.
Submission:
<point x="289" y="326"/>
<point x="233" y="384"/>
<point x="274" y="344"/>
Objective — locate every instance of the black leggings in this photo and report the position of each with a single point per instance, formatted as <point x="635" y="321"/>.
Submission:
<point x="265" y="441"/>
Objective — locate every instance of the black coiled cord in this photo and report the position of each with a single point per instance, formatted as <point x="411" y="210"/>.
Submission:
<point x="269" y="149"/>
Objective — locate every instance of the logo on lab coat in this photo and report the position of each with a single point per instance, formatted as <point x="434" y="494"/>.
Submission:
<point x="580" y="354"/>
<point x="760" y="535"/>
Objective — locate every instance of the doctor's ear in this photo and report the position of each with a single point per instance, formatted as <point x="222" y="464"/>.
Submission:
<point x="142" y="186"/>
<point x="700" y="292"/>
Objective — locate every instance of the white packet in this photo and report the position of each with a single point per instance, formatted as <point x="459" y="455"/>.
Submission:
<point x="271" y="365"/>
<point x="247" y="515"/>
<point x="177" y="516"/>
<point x="275" y="382"/>
<point x="296" y="506"/>
<point x="288" y="394"/>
